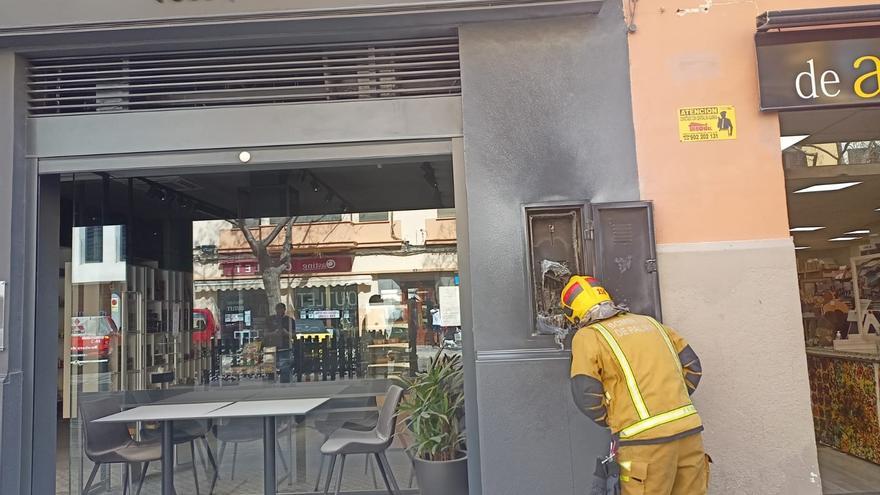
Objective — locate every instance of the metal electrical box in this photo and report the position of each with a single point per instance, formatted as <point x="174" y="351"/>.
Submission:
<point x="612" y="241"/>
<point x="555" y="233"/>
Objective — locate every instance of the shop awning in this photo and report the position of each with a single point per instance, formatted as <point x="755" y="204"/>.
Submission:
<point x="337" y="281"/>
<point x="827" y="16"/>
<point x="295" y="283"/>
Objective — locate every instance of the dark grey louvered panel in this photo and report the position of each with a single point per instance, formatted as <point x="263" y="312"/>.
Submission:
<point x="244" y="76"/>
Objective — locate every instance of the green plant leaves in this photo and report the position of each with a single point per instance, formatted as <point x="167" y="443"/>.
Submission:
<point x="434" y="406"/>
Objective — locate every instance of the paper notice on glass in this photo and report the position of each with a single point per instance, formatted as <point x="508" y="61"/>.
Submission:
<point x="450" y="310"/>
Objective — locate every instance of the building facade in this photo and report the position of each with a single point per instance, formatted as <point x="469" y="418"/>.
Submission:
<point x="546" y="111"/>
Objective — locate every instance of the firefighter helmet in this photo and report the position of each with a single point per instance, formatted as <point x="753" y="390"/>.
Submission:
<point x="580" y="296"/>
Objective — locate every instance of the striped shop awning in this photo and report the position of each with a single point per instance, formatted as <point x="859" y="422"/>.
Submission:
<point x="295" y="283"/>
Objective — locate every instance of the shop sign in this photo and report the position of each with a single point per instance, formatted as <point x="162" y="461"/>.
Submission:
<point x="325" y="314"/>
<point x="241" y="268"/>
<point x="816" y="74"/>
<point x="715" y="123"/>
<point x="115" y="309"/>
<point x="325" y="264"/>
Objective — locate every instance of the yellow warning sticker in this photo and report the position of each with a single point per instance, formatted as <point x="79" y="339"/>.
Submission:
<point x="716" y="123"/>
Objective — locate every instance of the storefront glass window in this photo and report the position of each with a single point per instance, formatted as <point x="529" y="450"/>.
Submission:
<point x="199" y="305"/>
<point x="836" y="232"/>
<point x="94" y="244"/>
<point x="381" y="216"/>
<point x="446" y="213"/>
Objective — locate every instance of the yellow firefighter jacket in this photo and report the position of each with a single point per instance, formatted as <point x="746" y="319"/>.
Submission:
<point x="635" y="376"/>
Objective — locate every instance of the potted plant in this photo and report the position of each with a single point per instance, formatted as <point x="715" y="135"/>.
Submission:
<point x="433" y="410"/>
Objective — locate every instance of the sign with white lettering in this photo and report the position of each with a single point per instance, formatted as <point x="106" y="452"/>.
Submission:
<point x="715" y="123"/>
<point x="323" y="315"/>
<point x="799" y="73"/>
<point x="324" y="264"/>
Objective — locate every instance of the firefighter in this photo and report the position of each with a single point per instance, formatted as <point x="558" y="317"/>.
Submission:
<point x="635" y="376"/>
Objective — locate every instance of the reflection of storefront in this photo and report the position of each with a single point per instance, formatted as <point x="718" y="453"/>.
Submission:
<point x="242" y="311"/>
<point x="336" y="307"/>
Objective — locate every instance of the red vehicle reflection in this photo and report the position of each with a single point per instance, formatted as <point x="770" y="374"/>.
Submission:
<point x="204" y="326"/>
<point x="92" y="337"/>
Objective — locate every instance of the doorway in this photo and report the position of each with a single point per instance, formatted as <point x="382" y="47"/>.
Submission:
<point x="832" y="170"/>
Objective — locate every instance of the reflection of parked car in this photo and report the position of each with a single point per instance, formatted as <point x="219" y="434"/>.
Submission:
<point x="91" y="337"/>
<point x="313" y="328"/>
<point x="204" y="326"/>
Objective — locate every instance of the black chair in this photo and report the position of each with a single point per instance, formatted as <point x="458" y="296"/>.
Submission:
<point x="375" y="442"/>
<point x="110" y="443"/>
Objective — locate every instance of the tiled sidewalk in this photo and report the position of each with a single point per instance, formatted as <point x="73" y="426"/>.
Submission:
<point x="248" y="472"/>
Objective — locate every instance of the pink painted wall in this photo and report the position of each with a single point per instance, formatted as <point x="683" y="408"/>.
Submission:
<point x="711" y="191"/>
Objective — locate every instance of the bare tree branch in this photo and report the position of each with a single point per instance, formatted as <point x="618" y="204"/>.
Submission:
<point x="276" y="231"/>
<point x="248" y="235"/>
<point x="288" y="242"/>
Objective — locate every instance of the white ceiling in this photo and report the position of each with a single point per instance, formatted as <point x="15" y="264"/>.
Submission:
<point x="831" y="126"/>
<point x="365" y="187"/>
<point x="838" y="211"/>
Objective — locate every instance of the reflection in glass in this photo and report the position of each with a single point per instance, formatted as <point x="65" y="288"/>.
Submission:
<point x="166" y="300"/>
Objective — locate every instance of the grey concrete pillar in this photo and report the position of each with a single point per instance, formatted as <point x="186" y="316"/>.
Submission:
<point x="16" y="227"/>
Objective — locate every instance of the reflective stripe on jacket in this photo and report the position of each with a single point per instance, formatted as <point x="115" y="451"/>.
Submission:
<point x="635" y="376"/>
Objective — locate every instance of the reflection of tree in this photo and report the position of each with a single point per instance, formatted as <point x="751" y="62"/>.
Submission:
<point x="271" y="268"/>
<point x="843" y="153"/>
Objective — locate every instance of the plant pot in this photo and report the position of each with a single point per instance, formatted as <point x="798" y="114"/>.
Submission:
<point x="442" y="477"/>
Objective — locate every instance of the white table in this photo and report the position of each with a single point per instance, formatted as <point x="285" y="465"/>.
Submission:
<point x="266" y="409"/>
<point x="166" y="414"/>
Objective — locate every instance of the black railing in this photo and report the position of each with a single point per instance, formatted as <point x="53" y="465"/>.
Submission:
<point x="330" y="359"/>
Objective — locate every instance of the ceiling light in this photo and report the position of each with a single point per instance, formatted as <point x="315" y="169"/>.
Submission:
<point x="789" y="141"/>
<point x="805" y="229"/>
<point x="827" y="187"/>
<point x="844" y="239"/>
<point x="857" y="232"/>
<point x="244" y="157"/>
<point x="798" y="248"/>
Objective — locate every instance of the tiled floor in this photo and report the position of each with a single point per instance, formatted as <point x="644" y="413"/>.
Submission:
<point x="72" y="471"/>
<point x="843" y="474"/>
<point x="248" y="471"/>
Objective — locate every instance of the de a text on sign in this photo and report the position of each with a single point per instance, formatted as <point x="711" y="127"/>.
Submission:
<point x="797" y="72"/>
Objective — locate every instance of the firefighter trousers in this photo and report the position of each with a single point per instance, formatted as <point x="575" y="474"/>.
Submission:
<point x="679" y="467"/>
